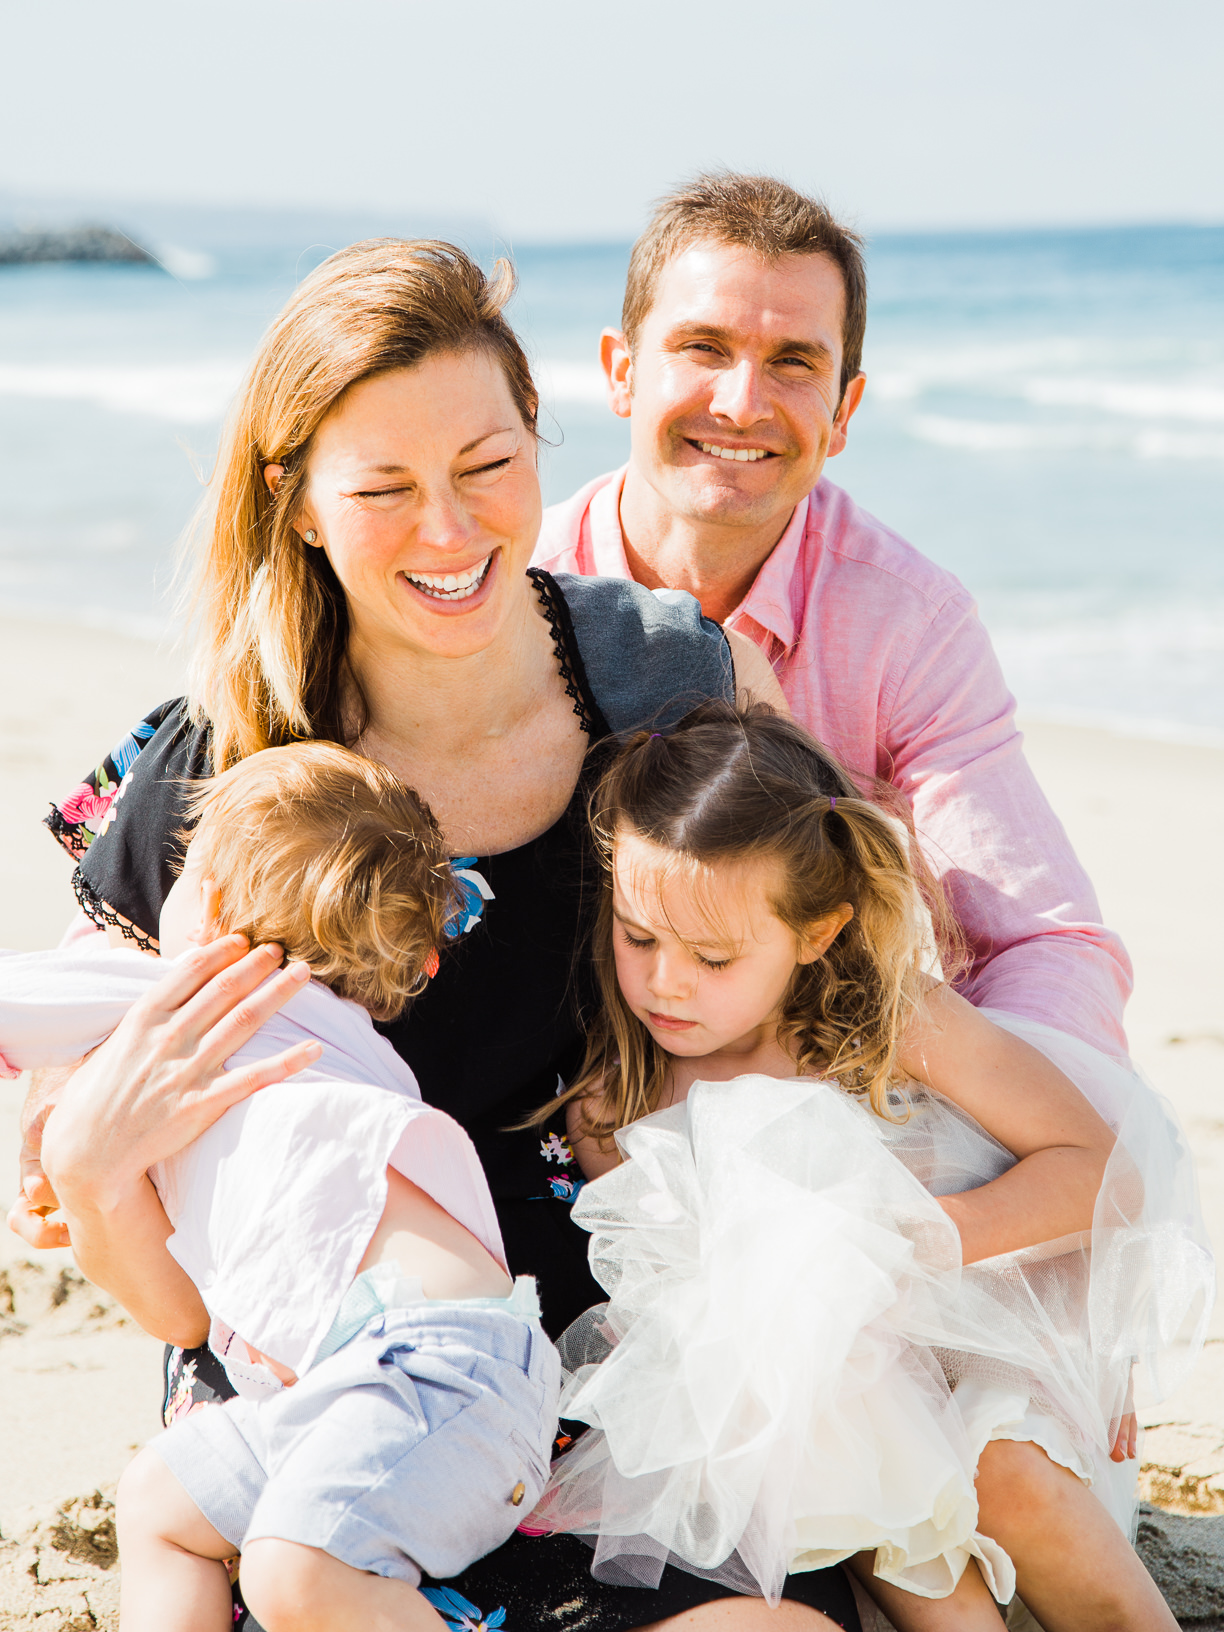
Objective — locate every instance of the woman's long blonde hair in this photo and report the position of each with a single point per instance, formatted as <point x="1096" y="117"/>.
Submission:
<point x="272" y="625"/>
<point x="731" y="784"/>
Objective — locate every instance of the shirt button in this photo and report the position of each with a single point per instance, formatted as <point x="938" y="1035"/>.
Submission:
<point x="517" y="1494"/>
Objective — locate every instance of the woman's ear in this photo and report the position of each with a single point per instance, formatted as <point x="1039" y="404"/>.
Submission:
<point x="822" y="932"/>
<point x="272" y="476"/>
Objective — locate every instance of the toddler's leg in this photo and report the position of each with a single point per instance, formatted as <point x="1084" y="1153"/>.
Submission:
<point x="292" y="1588"/>
<point x="1075" y="1569"/>
<point x="969" y="1609"/>
<point x="172" y="1578"/>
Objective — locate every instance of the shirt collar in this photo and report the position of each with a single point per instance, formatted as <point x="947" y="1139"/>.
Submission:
<point x="768" y="601"/>
<point x="607" y="541"/>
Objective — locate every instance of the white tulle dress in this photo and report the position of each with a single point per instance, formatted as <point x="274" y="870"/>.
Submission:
<point x="793" y="1366"/>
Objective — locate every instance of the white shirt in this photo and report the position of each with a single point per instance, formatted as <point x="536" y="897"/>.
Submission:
<point x="274" y="1205"/>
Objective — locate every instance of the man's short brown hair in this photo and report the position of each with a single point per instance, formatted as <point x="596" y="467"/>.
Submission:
<point x="758" y="213"/>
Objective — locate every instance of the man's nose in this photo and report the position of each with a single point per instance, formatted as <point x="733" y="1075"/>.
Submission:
<point x="740" y="395"/>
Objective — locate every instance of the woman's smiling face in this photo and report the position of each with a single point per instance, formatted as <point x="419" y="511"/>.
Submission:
<point x="422" y="490"/>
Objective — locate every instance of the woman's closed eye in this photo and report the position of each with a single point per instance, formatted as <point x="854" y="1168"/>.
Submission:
<point x="489" y="469"/>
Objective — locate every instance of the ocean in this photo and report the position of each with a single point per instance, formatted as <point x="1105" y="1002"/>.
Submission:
<point x="1044" y="416"/>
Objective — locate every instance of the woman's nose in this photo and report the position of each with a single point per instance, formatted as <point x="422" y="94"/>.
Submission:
<point x="443" y="524"/>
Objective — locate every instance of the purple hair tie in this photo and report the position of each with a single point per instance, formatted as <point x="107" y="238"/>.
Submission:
<point x="655" y="734"/>
<point x="832" y="801"/>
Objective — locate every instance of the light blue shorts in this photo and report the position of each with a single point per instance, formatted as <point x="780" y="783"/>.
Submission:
<point x="418" y="1446"/>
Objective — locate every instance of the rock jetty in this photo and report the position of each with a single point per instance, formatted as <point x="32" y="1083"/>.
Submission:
<point x="87" y="243"/>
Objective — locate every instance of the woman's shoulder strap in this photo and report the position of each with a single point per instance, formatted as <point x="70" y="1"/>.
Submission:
<point x="648" y="655"/>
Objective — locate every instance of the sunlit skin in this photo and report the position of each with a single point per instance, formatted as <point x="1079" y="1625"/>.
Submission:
<point x="425" y="470"/>
<point x="736" y="352"/>
<point x="708" y="986"/>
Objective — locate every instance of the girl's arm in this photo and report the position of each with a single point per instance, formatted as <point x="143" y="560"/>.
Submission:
<point x="1029" y="1106"/>
<point x="151" y="1088"/>
<point x="591" y="1156"/>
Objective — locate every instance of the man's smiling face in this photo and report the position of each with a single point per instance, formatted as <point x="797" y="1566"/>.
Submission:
<point x="734" y="384"/>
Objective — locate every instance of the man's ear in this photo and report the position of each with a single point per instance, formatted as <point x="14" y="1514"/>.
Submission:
<point x="823" y="932"/>
<point x="851" y="397"/>
<point x="618" y="367"/>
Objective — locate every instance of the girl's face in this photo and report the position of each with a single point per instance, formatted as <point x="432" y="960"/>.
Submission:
<point x="705" y="964"/>
<point x="424" y="495"/>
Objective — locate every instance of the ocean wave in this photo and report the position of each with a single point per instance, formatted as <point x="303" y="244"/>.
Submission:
<point x="1144" y="399"/>
<point x="561" y="381"/>
<point x="1002" y="436"/>
<point x="190" y="393"/>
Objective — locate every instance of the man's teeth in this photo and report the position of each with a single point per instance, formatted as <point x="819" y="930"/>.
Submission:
<point x="452" y="586"/>
<point x="745" y="455"/>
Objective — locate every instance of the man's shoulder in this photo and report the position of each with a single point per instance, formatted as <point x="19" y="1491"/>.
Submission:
<point x="850" y="538"/>
<point x="561" y="529"/>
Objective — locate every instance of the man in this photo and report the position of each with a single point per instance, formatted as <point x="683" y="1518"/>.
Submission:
<point x="738" y="367"/>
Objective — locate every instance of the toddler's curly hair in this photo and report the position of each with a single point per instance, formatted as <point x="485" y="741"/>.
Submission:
<point x="323" y="851"/>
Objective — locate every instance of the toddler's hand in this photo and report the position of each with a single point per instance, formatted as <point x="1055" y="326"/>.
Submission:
<point x="1126" y="1440"/>
<point x="8" y="1073"/>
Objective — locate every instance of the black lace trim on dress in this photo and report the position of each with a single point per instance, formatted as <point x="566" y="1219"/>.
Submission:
<point x="97" y="911"/>
<point x="62" y="830"/>
<point x="569" y="658"/>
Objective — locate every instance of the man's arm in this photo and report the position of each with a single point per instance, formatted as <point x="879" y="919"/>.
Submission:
<point x="1024" y="903"/>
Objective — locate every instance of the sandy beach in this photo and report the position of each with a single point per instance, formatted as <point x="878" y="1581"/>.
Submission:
<point x="79" y="1384"/>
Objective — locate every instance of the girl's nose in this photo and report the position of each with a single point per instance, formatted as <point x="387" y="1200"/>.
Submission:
<point x="671" y="975"/>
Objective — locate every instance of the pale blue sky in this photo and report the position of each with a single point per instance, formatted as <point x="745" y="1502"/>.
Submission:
<point x="563" y="118"/>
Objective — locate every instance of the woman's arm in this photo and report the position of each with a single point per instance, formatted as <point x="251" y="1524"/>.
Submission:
<point x="1028" y="1105"/>
<point x="154" y="1086"/>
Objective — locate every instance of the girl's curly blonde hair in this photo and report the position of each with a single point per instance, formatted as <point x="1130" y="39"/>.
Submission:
<point x="730" y="784"/>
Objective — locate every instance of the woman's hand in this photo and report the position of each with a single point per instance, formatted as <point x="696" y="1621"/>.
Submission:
<point x="158" y="1081"/>
<point x="152" y="1087"/>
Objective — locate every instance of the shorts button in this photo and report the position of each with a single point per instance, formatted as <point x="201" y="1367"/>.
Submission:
<point x="517" y="1494"/>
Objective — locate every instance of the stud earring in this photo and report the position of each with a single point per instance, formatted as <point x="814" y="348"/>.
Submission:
<point x="309" y="536"/>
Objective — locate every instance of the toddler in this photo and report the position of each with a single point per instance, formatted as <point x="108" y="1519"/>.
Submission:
<point x="397" y="1395"/>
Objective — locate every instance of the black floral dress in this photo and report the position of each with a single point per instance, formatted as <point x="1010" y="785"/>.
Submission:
<point x="496" y="1035"/>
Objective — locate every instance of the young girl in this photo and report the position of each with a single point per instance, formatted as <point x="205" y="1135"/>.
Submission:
<point x="866" y="1241"/>
<point x="397" y="1395"/>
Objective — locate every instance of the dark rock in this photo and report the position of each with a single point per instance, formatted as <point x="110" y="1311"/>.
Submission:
<point x="89" y="243"/>
<point x="1186" y="1559"/>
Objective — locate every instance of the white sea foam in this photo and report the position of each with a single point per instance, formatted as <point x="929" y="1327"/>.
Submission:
<point x="561" y="381"/>
<point x="189" y="393"/>
<point x="1004" y="436"/>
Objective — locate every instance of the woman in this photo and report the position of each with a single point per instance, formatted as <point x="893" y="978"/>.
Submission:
<point x="362" y="578"/>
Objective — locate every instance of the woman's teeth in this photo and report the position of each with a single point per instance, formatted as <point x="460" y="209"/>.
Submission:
<point x="452" y="586"/>
<point x="744" y="455"/>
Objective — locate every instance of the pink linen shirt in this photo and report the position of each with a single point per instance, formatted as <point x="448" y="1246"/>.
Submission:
<point x="881" y="655"/>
